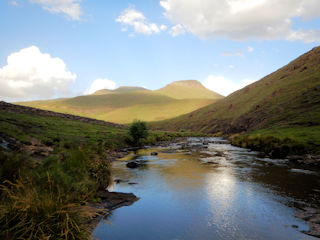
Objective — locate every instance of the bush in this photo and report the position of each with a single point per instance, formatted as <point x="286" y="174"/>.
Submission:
<point x="138" y="131"/>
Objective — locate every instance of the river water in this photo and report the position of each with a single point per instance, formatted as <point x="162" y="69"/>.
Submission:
<point x="192" y="190"/>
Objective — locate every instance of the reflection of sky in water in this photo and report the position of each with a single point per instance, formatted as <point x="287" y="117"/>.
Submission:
<point x="182" y="198"/>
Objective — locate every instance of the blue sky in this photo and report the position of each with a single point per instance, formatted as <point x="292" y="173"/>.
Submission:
<point x="225" y="44"/>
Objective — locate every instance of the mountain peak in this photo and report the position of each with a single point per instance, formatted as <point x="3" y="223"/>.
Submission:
<point x="186" y="89"/>
<point x="189" y="83"/>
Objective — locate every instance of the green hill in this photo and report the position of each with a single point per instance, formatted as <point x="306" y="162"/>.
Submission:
<point x="123" y="105"/>
<point x="130" y="89"/>
<point x="284" y="103"/>
<point x="188" y="89"/>
<point x="119" y="89"/>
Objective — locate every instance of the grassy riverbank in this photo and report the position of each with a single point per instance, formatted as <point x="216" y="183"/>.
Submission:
<point x="50" y="168"/>
<point x="279" y="142"/>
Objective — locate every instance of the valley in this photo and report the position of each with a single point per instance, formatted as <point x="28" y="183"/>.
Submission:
<point x="125" y="104"/>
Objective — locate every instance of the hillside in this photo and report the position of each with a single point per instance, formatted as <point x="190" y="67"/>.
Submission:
<point x="123" y="105"/>
<point x="286" y="99"/>
<point x="188" y="89"/>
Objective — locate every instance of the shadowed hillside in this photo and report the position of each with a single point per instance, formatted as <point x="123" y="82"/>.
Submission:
<point x="286" y="99"/>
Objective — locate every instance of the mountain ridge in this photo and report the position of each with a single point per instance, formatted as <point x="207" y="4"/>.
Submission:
<point x="124" y="104"/>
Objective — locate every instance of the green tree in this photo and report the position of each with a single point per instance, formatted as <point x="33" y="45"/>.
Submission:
<point x="138" y="131"/>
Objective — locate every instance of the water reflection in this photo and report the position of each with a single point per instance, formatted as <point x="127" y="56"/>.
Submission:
<point x="238" y="196"/>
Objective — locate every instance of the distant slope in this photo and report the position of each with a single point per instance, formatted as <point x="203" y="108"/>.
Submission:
<point x="102" y="92"/>
<point x="130" y="89"/>
<point x="286" y="99"/>
<point x="123" y="105"/>
<point x="119" y="90"/>
<point x="188" y="89"/>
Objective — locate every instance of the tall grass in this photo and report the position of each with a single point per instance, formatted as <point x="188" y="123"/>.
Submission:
<point x="49" y="201"/>
<point x="33" y="211"/>
<point x="276" y="147"/>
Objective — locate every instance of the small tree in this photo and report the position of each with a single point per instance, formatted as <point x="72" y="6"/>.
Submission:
<point x="138" y="130"/>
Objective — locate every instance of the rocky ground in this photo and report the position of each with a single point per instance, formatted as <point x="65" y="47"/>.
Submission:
<point x="312" y="217"/>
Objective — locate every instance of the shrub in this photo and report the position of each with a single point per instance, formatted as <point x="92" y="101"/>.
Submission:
<point x="138" y="131"/>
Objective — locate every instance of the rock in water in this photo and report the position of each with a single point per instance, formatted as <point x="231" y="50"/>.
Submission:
<point x="132" y="165"/>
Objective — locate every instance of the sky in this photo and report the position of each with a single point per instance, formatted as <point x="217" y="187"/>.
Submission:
<point x="65" y="48"/>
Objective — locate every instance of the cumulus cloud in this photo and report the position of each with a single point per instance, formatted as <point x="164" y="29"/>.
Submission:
<point x="177" y="30"/>
<point x="70" y="8"/>
<point x="101" y="83"/>
<point x="30" y="73"/>
<point x="224" y="86"/>
<point x="130" y="17"/>
<point x="244" y="19"/>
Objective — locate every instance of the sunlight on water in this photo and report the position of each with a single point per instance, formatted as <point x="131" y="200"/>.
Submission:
<point x="213" y="192"/>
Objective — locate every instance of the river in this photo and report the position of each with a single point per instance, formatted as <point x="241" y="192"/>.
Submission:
<point x="204" y="188"/>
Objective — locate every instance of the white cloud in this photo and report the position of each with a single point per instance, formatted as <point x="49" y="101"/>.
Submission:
<point x="224" y="86"/>
<point x="131" y="17"/>
<point x="177" y="30"/>
<point x="30" y="73"/>
<point x="101" y="83"/>
<point x="250" y="49"/>
<point x="71" y="8"/>
<point x="244" y="19"/>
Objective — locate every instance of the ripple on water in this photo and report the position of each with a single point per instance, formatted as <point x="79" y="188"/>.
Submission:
<point x="240" y="197"/>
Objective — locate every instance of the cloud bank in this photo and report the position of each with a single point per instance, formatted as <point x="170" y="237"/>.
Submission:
<point x="244" y="19"/>
<point x="30" y="73"/>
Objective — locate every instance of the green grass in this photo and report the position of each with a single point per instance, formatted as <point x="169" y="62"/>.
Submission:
<point x="188" y="89"/>
<point x="123" y="107"/>
<point x="286" y="101"/>
<point x="282" y="141"/>
<point x="46" y="197"/>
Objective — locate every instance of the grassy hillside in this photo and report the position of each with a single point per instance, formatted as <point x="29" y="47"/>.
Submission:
<point x="119" y="90"/>
<point x="284" y="103"/>
<point x="188" y="89"/>
<point x="51" y="166"/>
<point x="123" y="105"/>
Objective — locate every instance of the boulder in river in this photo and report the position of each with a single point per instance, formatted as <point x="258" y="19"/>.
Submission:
<point x="113" y="200"/>
<point x="135" y="164"/>
<point x="132" y="164"/>
<point x="154" y="154"/>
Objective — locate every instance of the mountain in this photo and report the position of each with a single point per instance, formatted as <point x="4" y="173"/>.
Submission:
<point x="188" y="89"/>
<point x="130" y="89"/>
<point x="286" y="102"/>
<point x="123" y="105"/>
<point x="119" y="89"/>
